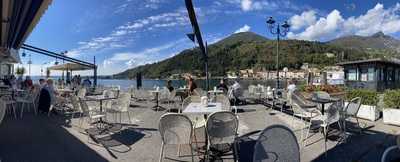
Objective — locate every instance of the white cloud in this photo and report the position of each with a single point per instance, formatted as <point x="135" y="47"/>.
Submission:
<point x="334" y="25"/>
<point x="148" y="55"/>
<point x="245" y="28"/>
<point x="305" y="19"/>
<point x="118" y="37"/>
<point x="246" y="5"/>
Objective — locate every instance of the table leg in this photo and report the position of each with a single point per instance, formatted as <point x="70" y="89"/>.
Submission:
<point x="101" y="109"/>
<point x="323" y="109"/>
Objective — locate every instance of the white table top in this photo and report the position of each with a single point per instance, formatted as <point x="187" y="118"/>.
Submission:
<point x="154" y="91"/>
<point x="65" y="90"/>
<point x="100" y="97"/>
<point x="198" y="108"/>
<point x="217" y="91"/>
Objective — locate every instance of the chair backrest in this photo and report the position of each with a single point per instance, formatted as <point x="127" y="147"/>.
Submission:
<point x="221" y="127"/>
<point x="333" y="114"/>
<point x="199" y="92"/>
<point x="75" y="103"/>
<point x="124" y="101"/>
<point x="225" y="103"/>
<point x="3" y="107"/>
<point x="175" y="129"/>
<point x="172" y="95"/>
<point x="353" y="106"/>
<point x="82" y="92"/>
<point x="84" y="107"/>
<point x="276" y="143"/>
<point x="189" y="100"/>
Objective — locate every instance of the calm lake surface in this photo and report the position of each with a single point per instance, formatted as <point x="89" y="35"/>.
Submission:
<point x="152" y="83"/>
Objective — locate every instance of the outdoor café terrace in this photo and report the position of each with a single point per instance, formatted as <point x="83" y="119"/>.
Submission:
<point x="62" y="136"/>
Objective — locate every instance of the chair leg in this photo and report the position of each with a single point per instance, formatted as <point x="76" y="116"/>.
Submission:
<point x="191" y="151"/>
<point x="307" y="133"/>
<point x="358" y="124"/>
<point x="15" y="111"/>
<point x="129" y="117"/>
<point x="179" y="150"/>
<point x="161" y="152"/>
<point x="325" y="139"/>
<point x="235" y="154"/>
<point x="22" y="109"/>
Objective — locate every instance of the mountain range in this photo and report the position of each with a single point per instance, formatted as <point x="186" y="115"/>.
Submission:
<point x="250" y="50"/>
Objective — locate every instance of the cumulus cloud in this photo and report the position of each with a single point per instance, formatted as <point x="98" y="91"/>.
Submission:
<point x="245" y="28"/>
<point x="305" y="19"/>
<point x="334" y="25"/>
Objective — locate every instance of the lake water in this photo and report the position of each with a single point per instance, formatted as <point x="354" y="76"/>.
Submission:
<point x="151" y="83"/>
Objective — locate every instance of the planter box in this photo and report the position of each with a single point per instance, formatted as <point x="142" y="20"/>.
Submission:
<point x="367" y="112"/>
<point x="391" y="116"/>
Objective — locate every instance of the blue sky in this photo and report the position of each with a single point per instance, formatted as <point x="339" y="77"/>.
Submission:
<point x="126" y="33"/>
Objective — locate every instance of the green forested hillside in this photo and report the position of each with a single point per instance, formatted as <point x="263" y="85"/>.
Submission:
<point x="249" y="50"/>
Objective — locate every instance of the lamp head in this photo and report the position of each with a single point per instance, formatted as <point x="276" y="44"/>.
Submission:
<point x="286" y="26"/>
<point x="271" y="21"/>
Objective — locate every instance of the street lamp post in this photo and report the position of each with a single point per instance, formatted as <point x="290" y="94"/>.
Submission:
<point x="285" y="69"/>
<point x="276" y="30"/>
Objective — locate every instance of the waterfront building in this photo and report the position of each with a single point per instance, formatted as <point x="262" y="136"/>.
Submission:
<point x="376" y="74"/>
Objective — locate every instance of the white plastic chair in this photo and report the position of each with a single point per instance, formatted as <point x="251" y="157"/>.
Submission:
<point x="28" y="101"/>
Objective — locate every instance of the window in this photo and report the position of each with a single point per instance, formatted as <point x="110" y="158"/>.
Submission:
<point x="371" y="72"/>
<point x="352" y="74"/>
<point x="364" y="74"/>
<point x="389" y="74"/>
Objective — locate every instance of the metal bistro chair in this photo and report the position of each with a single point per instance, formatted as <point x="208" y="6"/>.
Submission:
<point x="90" y="114"/>
<point x="332" y="115"/>
<point x="276" y="143"/>
<point x="350" y="111"/>
<point x="395" y="147"/>
<point x="2" y="108"/>
<point x="175" y="129"/>
<point x="28" y="101"/>
<point x="221" y="128"/>
<point x="121" y="106"/>
<point x="225" y="103"/>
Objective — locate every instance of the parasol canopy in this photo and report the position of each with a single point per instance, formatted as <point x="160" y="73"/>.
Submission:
<point x="70" y="67"/>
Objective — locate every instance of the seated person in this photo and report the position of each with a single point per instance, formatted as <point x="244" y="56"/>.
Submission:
<point x="169" y="86"/>
<point x="44" y="101"/>
<point x="222" y="86"/>
<point x="87" y="82"/>
<point x="191" y="85"/>
<point x="52" y="91"/>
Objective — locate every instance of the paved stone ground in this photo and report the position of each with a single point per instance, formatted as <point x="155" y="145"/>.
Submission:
<point x="57" y="138"/>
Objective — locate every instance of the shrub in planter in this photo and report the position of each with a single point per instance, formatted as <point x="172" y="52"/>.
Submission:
<point x="391" y="111"/>
<point x="369" y="100"/>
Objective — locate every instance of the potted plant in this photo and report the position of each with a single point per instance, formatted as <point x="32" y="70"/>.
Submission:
<point x="391" y="111"/>
<point x="20" y="71"/>
<point x="369" y="100"/>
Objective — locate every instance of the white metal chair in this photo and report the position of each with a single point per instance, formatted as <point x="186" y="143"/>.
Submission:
<point x="225" y="103"/>
<point x="221" y="128"/>
<point x="2" y="108"/>
<point x="90" y="114"/>
<point x="175" y="129"/>
<point x="350" y="111"/>
<point x="10" y="104"/>
<point x="276" y="143"/>
<point x="120" y="106"/>
<point x="28" y="101"/>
